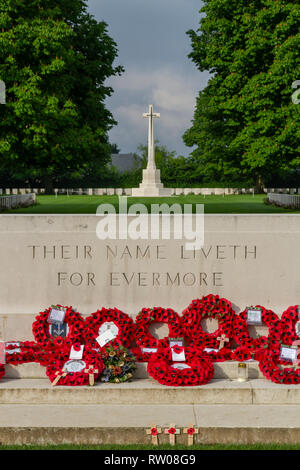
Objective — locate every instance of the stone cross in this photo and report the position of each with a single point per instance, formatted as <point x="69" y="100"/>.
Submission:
<point x="154" y="431"/>
<point x="190" y="431"/>
<point x="151" y="115"/>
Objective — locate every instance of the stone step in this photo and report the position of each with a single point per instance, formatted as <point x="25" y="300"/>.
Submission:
<point x="127" y="424"/>
<point x="148" y="392"/>
<point x="223" y="370"/>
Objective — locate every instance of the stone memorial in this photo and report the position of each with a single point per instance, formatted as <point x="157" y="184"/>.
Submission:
<point x="45" y="260"/>
<point x="151" y="185"/>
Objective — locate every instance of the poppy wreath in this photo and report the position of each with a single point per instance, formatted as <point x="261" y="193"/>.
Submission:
<point x="40" y="327"/>
<point x="92" y="370"/>
<point x="241" y="332"/>
<point x="156" y="315"/>
<point x="200" y="372"/>
<point x="289" y="319"/>
<point x="210" y="306"/>
<point x="140" y="355"/>
<point x="51" y="352"/>
<point x="122" y="321"/>
<point x="20" y="352"/>
<point x="269" y="365"/>
<point x="224" y="354"/>
<point x="2" y="371"/>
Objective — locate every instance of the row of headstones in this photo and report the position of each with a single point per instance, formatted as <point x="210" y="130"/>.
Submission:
<point x="128" y="191"/>
<point x="289" y="200"/>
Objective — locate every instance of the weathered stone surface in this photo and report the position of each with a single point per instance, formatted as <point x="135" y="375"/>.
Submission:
<point x="249" y="259"/>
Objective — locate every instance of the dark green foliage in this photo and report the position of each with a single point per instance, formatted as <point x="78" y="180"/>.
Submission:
<point x="54" y="59"/>
<point x="245" y="123"/>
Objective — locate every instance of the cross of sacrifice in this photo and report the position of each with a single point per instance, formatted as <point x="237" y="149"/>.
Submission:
<point x="222" y="340"/>
<point x="172" y="431"/>
<point x="151" y="115"/>
<point x="190" y="431"/>
<point x="154" y="431"/>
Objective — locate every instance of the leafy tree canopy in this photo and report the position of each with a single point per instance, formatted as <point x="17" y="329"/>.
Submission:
<point x="245" y="123"/>
<point x="54" y="60"/>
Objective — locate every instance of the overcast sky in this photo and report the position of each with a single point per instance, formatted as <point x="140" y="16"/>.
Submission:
<point x="153" y="48"/>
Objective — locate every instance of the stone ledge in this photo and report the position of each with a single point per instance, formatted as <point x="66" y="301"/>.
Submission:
<point x="148" y="392"/>
<point x="102" y="424"/>
<point x="223" y="370"/>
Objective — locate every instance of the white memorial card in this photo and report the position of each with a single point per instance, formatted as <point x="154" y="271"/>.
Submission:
<point x="76" y="354"/>
<point x="288" y="353"/>
<point x="180" y="366"/>
<point x="74" y="366"/>
<point x="57" y="314"/>
<point x="105" y="338"/>
<point x="149" y="350"/>
<point x="176" y="342"/>
<point x="109" y="325"/>
<point x="178" y="357"/>
<point x="254" y="316"/>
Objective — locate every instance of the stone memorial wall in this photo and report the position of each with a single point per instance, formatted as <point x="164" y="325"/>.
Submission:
<point x="58" y="259"/>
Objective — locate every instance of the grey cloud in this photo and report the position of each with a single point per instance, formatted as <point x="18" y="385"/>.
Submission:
<point x="153" y="48"/>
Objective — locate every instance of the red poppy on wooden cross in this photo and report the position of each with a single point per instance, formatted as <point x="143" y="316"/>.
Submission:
<point x="222" y="340"/>
<point x="190" y="431"/>
<point x="154" y="431"/>
<point x="91" y="371"/>
<point x="59" y="375"/>
<point x="172" y="431"/>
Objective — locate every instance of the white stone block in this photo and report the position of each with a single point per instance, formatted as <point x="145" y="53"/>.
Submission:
<point x="178" y="191"/>
<point x="187" y="191"/>
<point x="110" y="191"/>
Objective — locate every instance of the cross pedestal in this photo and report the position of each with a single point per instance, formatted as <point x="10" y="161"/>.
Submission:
<point x="151" y="185"/>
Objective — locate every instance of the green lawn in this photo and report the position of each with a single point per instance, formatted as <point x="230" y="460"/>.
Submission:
<point x="156" y="448"/>
<point x="233" y="204"/>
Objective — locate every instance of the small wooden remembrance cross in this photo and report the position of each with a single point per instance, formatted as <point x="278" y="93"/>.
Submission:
<point x="222" y="340"/>
<point x="172" y="431"/>
<point x="91" y="371"/>
<point x="59" y="375"/>
<point x="190" y="431"/>
<point x="154" y="431"/>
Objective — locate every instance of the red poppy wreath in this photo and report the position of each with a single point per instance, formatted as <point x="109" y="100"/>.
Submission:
<point x="148" y="316"/>
<point x="20" y="352"/>
<point x="197" y="369"/>
<point x="70" y="329"/>
<point x="108" y="327"/>
<point x="2" y="371"/>
<point x="210" y="306"/>
<point x="269" y="365"/>
<point x="241" y="332"/>
<point x="290" y="325"/>
<point x="75" y="372"/>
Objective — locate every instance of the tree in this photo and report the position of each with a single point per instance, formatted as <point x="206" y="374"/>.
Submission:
<point x="245" y="123"/>
<point x="54" y="60"/>
<point x="173" y="169"/>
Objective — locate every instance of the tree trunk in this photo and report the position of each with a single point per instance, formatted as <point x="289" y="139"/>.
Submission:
<point x="259" y="184"/>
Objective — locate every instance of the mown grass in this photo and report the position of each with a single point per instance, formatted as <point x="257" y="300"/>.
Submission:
<point x="233" y="204"/>
<point x="109" y="447"/>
